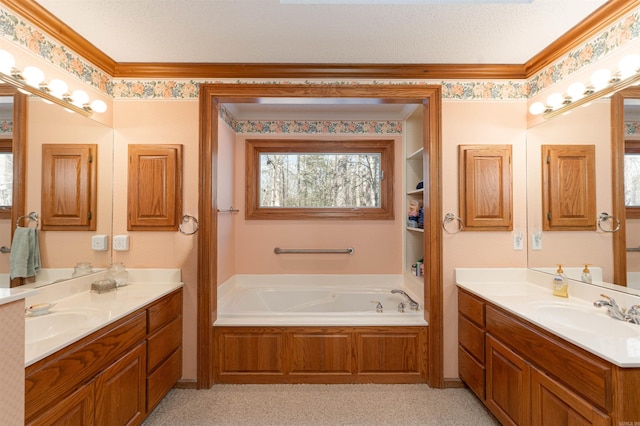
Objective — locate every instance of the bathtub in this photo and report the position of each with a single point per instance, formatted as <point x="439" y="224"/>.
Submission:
<point x="322" y="300"/>
<point x="319" y="329"/>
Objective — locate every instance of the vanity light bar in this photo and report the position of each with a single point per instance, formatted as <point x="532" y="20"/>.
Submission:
<point x="613" y="87"/>
<point x="20" y="83"/>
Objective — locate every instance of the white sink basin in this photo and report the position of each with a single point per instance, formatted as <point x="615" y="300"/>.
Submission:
<point x="58" y="323"/>
<point x="584" y="318"/>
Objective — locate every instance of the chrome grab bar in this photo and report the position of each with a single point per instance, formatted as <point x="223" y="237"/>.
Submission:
<point x="278" y="250"/>
<point x="633" y="249"/>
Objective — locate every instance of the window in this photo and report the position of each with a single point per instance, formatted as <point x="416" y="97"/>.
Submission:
<point x="312" y="179"/>
<point x="632" y="179"/>
<point x="6" y="178"/>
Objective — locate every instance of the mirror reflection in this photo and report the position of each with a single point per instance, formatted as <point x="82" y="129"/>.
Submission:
<point x="61" y="250"/>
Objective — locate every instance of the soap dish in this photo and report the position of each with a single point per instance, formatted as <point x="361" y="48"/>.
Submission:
<point x="39" y="309"/>
<point x="103" y="286"/>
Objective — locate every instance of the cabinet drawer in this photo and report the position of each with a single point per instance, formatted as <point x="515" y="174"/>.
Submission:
<point x="582" y="372"/>
<point x="163" y="342"/>
<point x="164" y="311"/>
<point x="162" y="380"/>
<point x="471" y="307"/>
<point x="471" y="337"/>
<point x="471" y="372"/>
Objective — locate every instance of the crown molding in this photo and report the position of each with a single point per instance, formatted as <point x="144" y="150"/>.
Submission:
<point x="594" y="23"/>
<point x="277" y="70"/>
<point x="587" y="29"/>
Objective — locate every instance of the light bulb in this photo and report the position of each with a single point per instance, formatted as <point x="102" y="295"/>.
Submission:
<point x="600" y="79"/>
<point x="555" y="100"/>
<point x="79" y="97"/>
<point x="58" y="88"/>
<point x="7" y="62"/>
<point x="576" y="91"/>
<point x="33" y="76"/>
<point x="537" y="108"/>
<point x="629" y="65"/>
<point x="98" y="106"/>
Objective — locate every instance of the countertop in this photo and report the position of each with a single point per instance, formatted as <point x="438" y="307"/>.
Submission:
<point x="8" y="295"/>
<point x="98" y="309"/>
<point x="522" y="295"/>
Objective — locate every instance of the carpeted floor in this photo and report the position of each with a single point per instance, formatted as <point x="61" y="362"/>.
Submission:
<point x="304" y="405"/>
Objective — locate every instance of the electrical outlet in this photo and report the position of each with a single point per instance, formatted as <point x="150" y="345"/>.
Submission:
<point x="99" y="242"/>
<point x="121" y="242"/>
<point x="517" y="241"/>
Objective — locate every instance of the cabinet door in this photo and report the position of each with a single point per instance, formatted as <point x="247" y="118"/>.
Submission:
<point x="485" y="187"/>
<point x="120" y="390"/>
<point x="69" y="187"/>
<point x="155" y="187"/>
<point x="508" y="392"/>
<point x="554" y="404"/>
<point x="569" y="187"/>
<point x="75" y="410"/>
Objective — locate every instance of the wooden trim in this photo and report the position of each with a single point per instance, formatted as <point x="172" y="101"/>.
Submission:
<point x="588" y="28"/>
<point x="318" y="70"/>
<point x="617" y="182"/>
<point x="47" y="22"/>
<point x="213" y="94"/>
<point x="454" y="384"/>
<point x="186" y="384"/>
<point x="207" y="239"/>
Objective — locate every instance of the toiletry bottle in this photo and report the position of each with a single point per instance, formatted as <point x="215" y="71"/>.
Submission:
<point x="586" y="274"/>
<point x="560" y="285"/>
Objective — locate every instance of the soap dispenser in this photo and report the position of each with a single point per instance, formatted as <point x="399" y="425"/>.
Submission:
<point x="586" y="274"/>
<point x="560" y="285"/>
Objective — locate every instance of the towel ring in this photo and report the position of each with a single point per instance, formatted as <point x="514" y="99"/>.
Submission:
<point x="450" y="217"/>
<point x="606" y="216"/>
<point x="31" y="217"/>
<point x="186" y="219"/>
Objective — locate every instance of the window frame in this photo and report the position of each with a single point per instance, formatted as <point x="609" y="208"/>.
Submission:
<point x="632" y="147"/>
<point x="6" y="146"/>
<point x="254" y="147"/>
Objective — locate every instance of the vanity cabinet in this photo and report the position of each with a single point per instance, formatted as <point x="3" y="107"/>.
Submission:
<point x="532" y="377"/>
<point x="115" y="376"/>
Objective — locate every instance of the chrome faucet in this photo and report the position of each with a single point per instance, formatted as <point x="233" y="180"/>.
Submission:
<point x="412" y="303"/>
<point x="613" y="310"/>
<point x="633" y="314"/>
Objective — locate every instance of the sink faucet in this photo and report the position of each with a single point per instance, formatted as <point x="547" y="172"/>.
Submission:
<point x="412" y="303"/>
<point x="633" y="314"/>
<point x="613" y="310"/>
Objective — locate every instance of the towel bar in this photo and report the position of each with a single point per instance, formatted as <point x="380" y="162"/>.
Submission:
<point x="278" y="250"/>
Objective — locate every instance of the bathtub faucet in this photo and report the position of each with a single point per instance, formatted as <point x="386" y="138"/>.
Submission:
<point x="412" y="303"/>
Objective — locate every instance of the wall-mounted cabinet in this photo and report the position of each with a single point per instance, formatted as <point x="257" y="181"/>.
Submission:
<point x="155" y="187"/>
<point x="414" y="194"/>
<point x="485" y="194"/>
<point x="568" y="187"/>
<point x="69" y="187"/>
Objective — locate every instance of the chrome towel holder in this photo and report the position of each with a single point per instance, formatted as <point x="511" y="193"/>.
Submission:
<point x="31" y="217"/>
<point x="604" y="216"/>
<point x="278" y="250"/>
<point x="450" y="217"/>
<point x="194" y="227"/>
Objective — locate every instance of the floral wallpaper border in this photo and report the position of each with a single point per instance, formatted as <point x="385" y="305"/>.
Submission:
<point x="19" y="31"/>
<point x="6" y="127"/>
<point x="632" y="127"/>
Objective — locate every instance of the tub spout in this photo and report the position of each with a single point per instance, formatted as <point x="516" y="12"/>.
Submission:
<point x="412" y="303"/>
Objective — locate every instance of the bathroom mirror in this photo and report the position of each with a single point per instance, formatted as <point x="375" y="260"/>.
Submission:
<point x="591" y="124"/>
<point x="61" y="250"/>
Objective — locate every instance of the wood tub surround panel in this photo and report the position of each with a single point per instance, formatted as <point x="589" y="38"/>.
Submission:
<point x="114" y="376"/>
<point x="531" y="376"/>
<point x="320" y="354"/>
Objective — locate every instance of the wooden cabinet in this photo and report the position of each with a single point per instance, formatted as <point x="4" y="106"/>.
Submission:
<point x="320" y="354"/>
<point x="530" y="376"/>
<point x="69" y="187"/>
<point x="568" y="187"/>
<point x="114" y="376"/>
<point x="485" y="194"/>
<point x="508" y="384"/>
<point x="155" y="187"/>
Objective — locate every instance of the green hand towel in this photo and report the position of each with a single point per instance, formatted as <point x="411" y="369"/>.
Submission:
<point x="25" y="253"/>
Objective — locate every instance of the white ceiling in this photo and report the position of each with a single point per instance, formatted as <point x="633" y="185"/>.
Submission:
<point x="210" y="31"/>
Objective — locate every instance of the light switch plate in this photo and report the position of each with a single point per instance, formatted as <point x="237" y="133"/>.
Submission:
<point x="99" y="242"/>
<point x="121" y="242"/>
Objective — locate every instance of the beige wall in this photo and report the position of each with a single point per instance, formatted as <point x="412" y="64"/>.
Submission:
<point x="377" y="243"/>
<point x="478" y="123"/>
<point x="226" y="198"/>
<point x="154" y="122"/>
